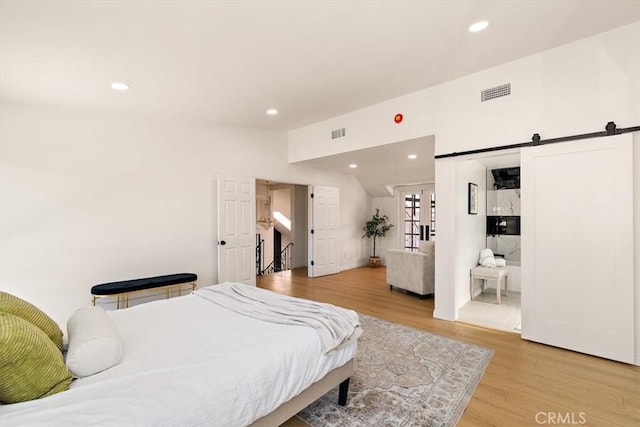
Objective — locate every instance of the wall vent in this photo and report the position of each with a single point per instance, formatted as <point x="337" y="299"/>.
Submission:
<point x="338" y="133"/>
<point x="495" y="92"/>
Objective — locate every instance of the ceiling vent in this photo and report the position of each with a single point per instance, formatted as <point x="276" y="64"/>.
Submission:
<point x="338" y="133"/>
<point x="495" y="92"/>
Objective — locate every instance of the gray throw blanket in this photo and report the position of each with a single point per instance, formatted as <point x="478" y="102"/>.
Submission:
<point x="333" y="324"/>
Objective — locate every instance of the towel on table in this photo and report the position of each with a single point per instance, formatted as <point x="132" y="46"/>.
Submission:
<point x="334" y="325"/>
<point x="486" y="258"/>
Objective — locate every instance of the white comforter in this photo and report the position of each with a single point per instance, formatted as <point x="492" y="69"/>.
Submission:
<point x="189" y="362"/>
<point x="332" y="324"/>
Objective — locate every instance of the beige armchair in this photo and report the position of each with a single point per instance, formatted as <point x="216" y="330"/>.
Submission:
<point x="413" y="271"/>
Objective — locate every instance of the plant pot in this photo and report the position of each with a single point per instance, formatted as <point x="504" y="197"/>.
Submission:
<point x="374" y="261"/>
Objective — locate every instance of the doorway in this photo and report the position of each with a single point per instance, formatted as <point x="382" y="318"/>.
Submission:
<point x="281" y="226"/>
<point x="499" y="223"/>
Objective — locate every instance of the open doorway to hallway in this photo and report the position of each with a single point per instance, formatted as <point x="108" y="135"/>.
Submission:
<point x="281" y="226"/>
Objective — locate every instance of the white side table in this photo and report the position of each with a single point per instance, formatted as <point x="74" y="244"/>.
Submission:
<point x="499" y="274"/>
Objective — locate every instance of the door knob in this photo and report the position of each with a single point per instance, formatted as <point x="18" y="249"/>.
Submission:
<point x="222" y="242"/>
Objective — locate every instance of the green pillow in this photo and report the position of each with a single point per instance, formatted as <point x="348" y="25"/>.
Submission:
<point x="13" y="305"/>
<point x="31" y="366"/>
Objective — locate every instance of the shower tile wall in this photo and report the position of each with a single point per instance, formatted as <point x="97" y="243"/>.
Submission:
<point x="509" y="246"/>
<point x="503" y="202"/>
<point x="503" y="222"/>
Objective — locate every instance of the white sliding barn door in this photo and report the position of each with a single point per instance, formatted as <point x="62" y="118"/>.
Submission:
<point x="236" y="230"/>
<point x="324" y="215"/>
<point x="577" y="246"/>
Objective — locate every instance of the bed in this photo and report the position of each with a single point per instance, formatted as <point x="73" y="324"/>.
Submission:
<point x="191" y="361"/>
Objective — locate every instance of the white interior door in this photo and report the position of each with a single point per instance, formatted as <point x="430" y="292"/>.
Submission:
<point x="324" y="215"/>
<point x="236" y="230"/>
<point x="577" y="247"/>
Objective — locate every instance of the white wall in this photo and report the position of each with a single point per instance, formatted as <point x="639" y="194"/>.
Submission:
<point x="470" y="229"/>
<point x="87" y="198"/>
<point x="282" y="203"/>
<point x="572" y="89"/>
<point x="368" y="127"/>
<point x="636" y="239"/>
<point x="354" y="202"/>
<point x="446" y="240"/>
<point x="282" y="200"/>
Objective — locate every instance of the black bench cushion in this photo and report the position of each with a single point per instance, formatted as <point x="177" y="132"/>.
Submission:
<point x="140" y="284"/>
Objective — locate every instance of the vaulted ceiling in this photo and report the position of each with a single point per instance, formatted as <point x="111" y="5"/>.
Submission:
<point x="227" y="62"/>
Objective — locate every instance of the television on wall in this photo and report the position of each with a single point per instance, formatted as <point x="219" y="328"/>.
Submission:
<point x="506" y="178"/>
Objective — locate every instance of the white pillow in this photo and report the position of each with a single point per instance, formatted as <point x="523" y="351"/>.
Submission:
<point x="94" y="343"/>
<point x="486" y="258"/>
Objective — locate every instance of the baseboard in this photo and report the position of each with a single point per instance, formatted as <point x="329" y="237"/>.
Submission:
<point x="437" y="314"/>
<point x="352" y="266"/>
<point x="637" y="361"/>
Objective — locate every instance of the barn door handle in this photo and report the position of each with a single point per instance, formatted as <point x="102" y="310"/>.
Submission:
<point x="222" y="242"/>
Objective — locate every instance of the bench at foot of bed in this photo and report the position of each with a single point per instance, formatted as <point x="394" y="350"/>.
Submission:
<point x="123" y="289"/>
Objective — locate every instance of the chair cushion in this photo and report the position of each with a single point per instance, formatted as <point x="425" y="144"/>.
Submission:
<point x="94" y="342"/>
<point x="18" y="307"/>
<point x="31" y="366"/>
<point x="496" y="273"/>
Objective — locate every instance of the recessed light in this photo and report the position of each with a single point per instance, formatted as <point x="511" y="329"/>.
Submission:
<point x="353" y="166"/>
<point x="412" y="156"/>
<point x="119" y="86"/>
<point x="272" y="111"/>
<point x="478" y="26"/>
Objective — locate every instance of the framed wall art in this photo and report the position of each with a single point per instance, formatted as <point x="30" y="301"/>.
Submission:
<point x="473" y="199"/>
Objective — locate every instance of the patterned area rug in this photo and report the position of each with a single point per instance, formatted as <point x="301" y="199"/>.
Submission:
<point x="404" y="377"/>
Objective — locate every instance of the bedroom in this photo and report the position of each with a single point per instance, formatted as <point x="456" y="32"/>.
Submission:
<point x="94" y="193"/>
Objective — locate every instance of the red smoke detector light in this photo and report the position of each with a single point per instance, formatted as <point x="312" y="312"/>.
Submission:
<point x="398" y="118"/>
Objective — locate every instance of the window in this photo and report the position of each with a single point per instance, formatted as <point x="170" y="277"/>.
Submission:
<point x="411" y="221"/>
<point x="414" y="225"/>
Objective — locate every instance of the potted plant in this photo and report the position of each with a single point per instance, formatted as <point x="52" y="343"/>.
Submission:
<point x="377" y="226"/>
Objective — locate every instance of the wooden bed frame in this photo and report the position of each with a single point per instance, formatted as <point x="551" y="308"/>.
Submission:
<point x="339" y="376"/>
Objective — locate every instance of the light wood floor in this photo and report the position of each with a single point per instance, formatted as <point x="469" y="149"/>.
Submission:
<point x="525" y="384"/>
